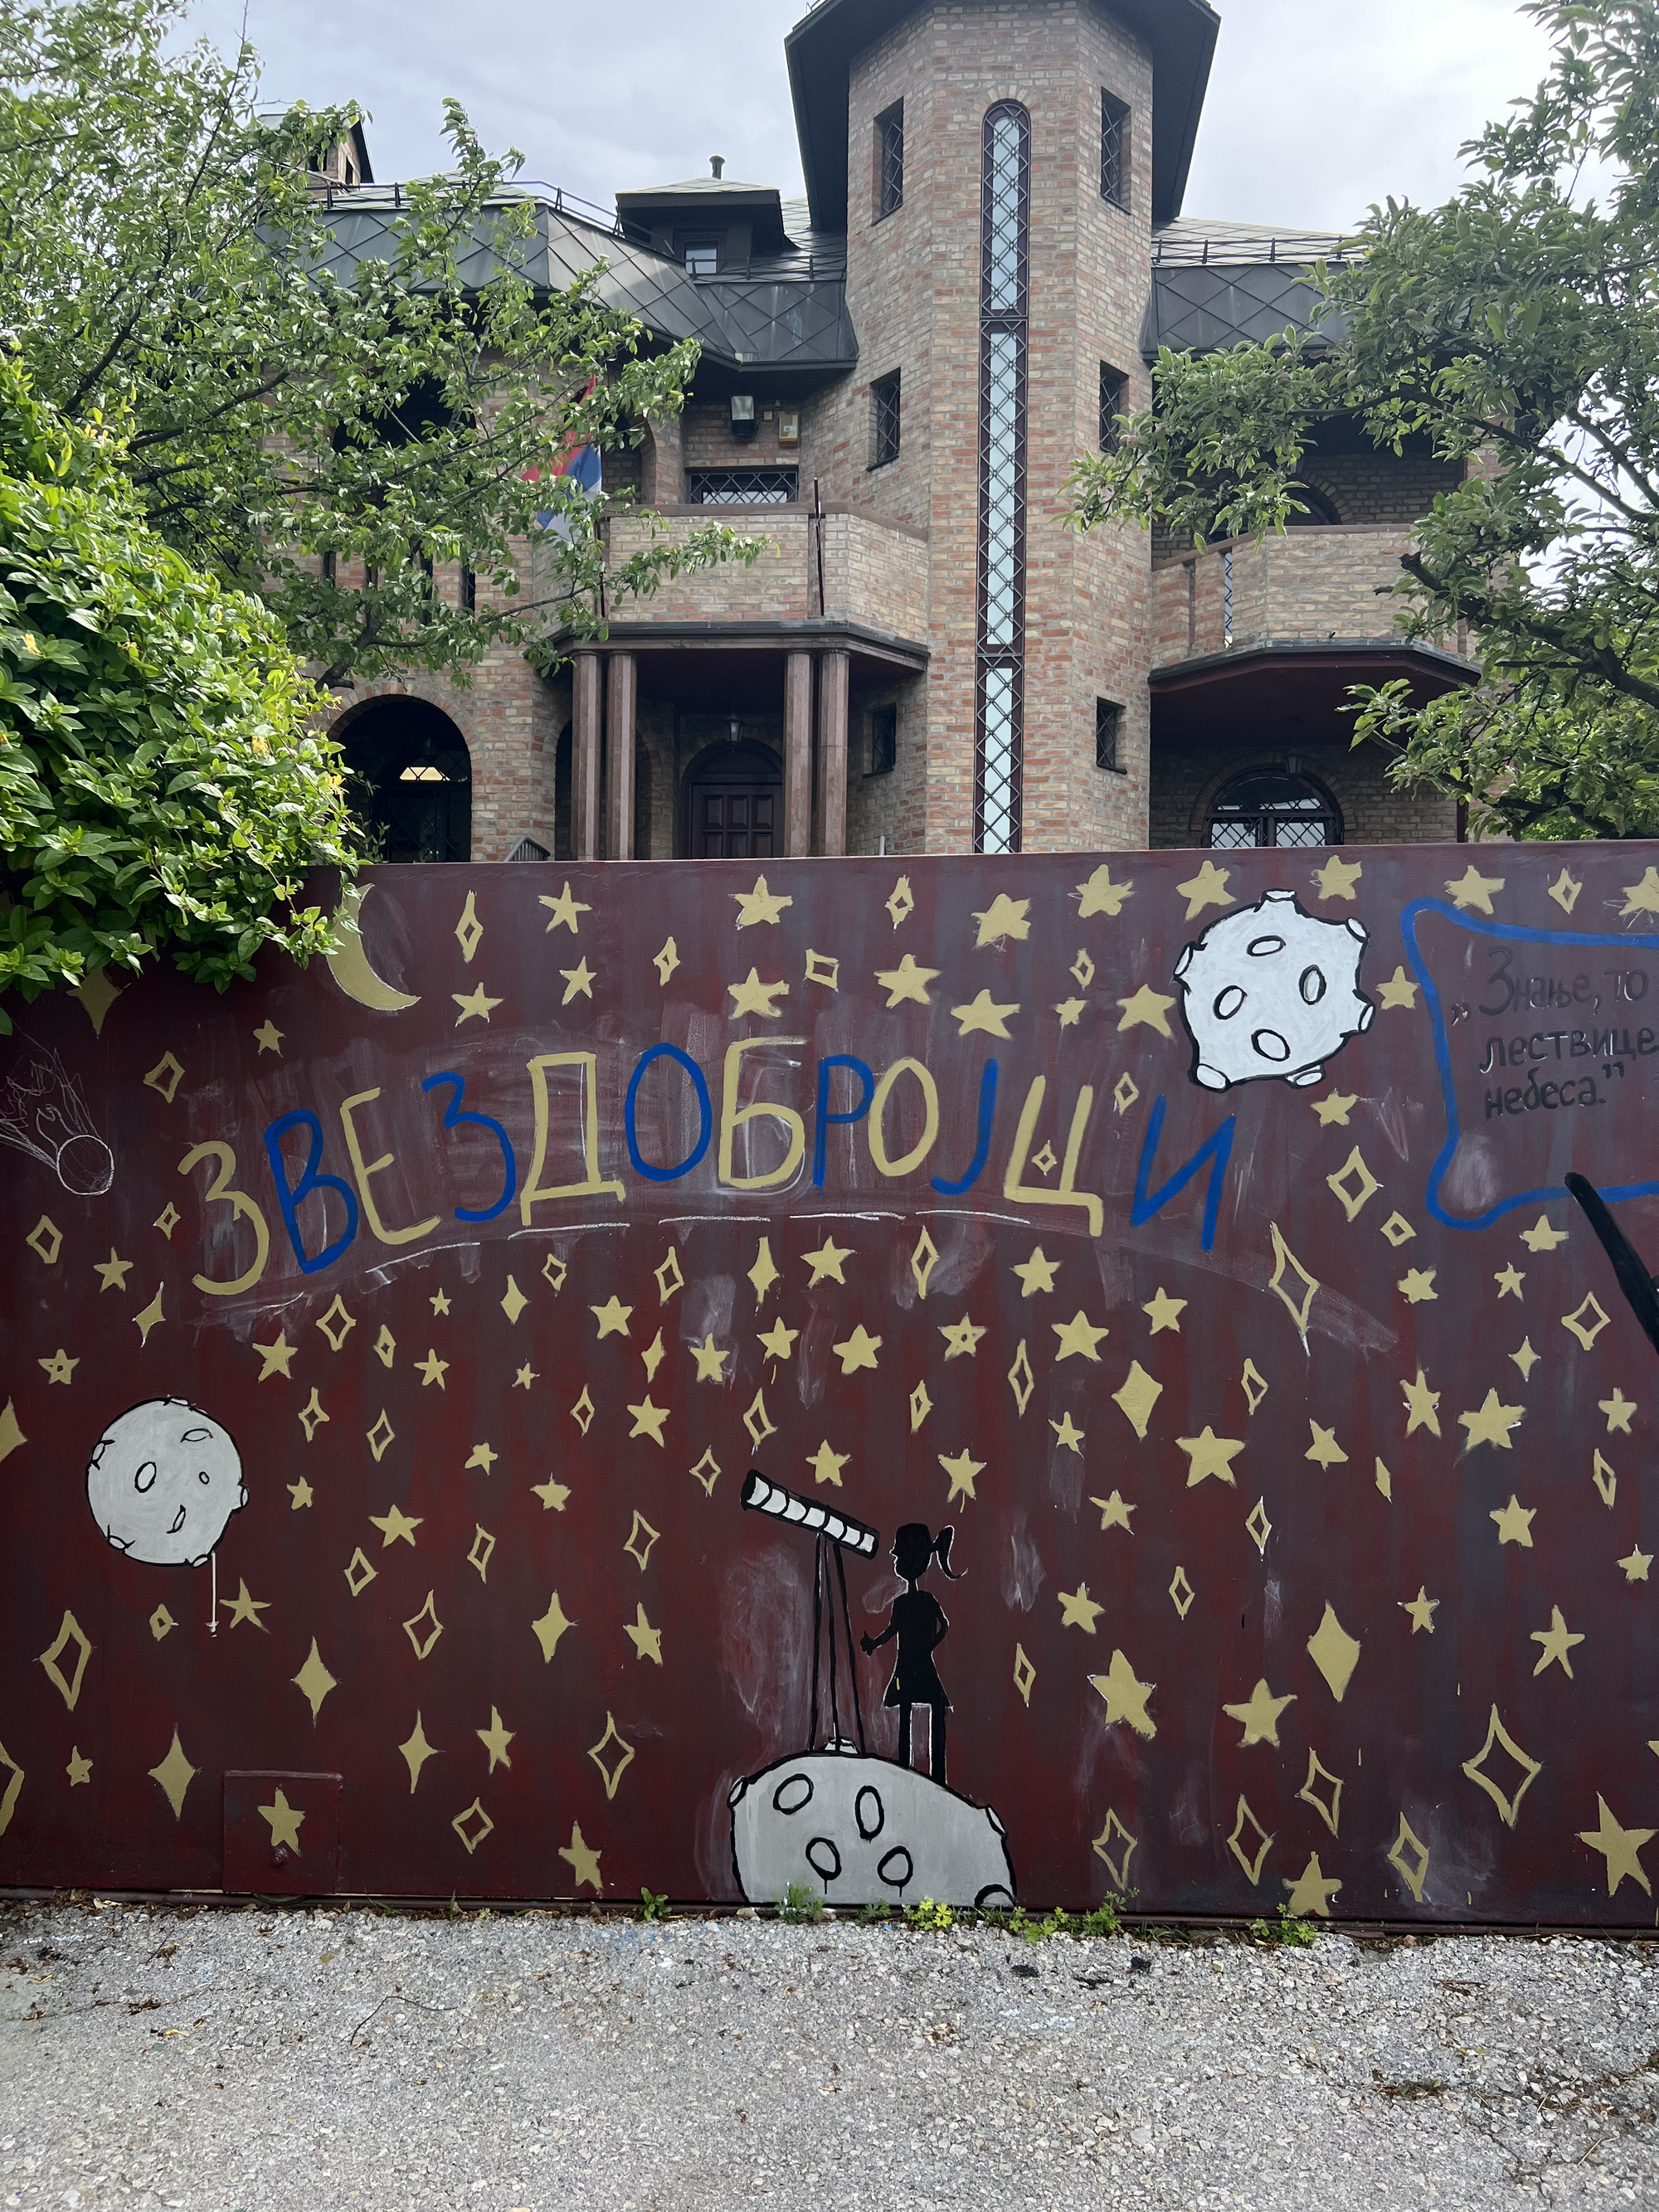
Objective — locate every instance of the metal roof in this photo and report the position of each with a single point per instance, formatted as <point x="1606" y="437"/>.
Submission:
<point x="819" y="50"/>
<point x="1217" y="284"/>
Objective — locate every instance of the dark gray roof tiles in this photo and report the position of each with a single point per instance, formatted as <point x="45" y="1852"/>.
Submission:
<point x="1217" y="284"/>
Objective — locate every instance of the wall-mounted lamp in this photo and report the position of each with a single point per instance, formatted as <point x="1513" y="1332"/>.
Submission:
<point x="733" y="731"/>
<point x="743" y="413"/>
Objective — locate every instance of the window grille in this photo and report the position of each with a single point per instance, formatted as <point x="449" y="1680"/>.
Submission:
<point x="1108" y="722"/>
<point x="1227" y="599"/>
<point x="1113" y="384"/>
<point x="889" y="161"/>
<point x="1113" y="150"/>
<point x="469" y="587"/>
<point x="885" y="421"/>
<point x="741" y="487"/>
<point x="1004" y="225"/>
<point x="884" y="739"/>
<point x="1269" y="806"/>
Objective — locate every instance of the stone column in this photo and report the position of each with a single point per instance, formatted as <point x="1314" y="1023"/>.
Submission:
<point x="619" y="778"/>
<point x="585" y="716"/>
<point x="832" y="672"/>
<point x="798" y="756"/>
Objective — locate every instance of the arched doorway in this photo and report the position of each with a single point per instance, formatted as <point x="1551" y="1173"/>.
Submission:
<point x="412" y="776"/>
<point x="734" y="804"/>
<point x="1272" y="806"/>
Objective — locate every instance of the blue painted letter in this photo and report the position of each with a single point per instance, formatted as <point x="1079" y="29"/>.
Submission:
<point x="705" y="1114"/>
<point x="1217" y="1150"/>
<point x="292" y="1197"/>
<point x="988" y="1106"/>
<point x="454" y="1117"/>
<point x="867" y="1091"/>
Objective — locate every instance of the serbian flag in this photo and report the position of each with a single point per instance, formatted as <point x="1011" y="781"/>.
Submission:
<point x="581" y="465"/>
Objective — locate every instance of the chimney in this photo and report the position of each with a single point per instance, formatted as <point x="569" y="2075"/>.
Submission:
<point x="716" y="164"/>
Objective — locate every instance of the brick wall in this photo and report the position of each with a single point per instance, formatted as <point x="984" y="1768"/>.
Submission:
<point x="1186" y="782"/>
<point x="873" y="574"/>
<point x="1309" y="583"/>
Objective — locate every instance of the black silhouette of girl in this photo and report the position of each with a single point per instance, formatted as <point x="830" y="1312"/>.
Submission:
<point x="918" y="1621"/>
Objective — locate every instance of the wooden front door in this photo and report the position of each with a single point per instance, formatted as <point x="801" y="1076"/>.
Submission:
<point x="735" y="808"/>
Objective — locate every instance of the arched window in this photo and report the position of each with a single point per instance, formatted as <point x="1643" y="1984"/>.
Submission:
<point x="1318" y="506"/>
<point x="413" y="780"/>
<point x="1270" y="806"/>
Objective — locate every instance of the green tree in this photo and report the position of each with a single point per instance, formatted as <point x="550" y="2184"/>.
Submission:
<point x="162" y="784"/>
<point x="169" y="264"/>
<point x="1516" y="329"/>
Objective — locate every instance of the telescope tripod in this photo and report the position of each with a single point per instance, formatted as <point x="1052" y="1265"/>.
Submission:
<point x="824" y="1618"/>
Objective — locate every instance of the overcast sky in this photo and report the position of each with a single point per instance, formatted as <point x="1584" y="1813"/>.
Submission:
<point x="1315" y="109"/>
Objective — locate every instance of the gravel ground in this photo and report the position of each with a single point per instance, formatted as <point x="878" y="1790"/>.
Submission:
<point x="297" y="2060"/>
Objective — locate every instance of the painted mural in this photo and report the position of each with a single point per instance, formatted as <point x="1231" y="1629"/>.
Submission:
<point x="1025" y="1380"/>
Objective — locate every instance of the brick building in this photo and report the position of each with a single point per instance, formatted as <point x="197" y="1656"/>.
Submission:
<point x="896" y="374"/>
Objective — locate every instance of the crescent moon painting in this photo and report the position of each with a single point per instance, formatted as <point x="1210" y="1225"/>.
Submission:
<point x="348" y="963"/>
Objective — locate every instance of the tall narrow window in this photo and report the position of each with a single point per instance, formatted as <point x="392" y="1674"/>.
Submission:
<point x="1004" y="226"/>
<point x="889" y="161"/>
<point x="1113" y="150"/>
<point x="1109" y="723"/>
<point x="1112" y="383"/>
<point x="885" y="421"/>
<point x="469" y="585"/>
<point x="884" y="739"/>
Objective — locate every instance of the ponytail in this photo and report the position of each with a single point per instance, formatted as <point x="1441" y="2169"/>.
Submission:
<point x="942" y="1552"/>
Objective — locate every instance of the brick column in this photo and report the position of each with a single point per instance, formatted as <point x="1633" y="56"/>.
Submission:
<point x="833" y="670"/>
<point x="798" y="756"/>
<point x="623" y="684"/>
<point x="584" y="756"/>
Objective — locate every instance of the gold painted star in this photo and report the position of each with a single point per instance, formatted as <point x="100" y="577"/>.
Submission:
<point x="495" y="1740"/>
<point x="646" y="1641"/>
<point x="1310" y="1891"/>
<point x="1618" y="1409"/>
<point x="907" y="982"/>
<point x="826" y="1262"/>
<point x="1259" y="1716"/>
<point x="432" y="1370"/>
<point x="275" y="1359"/>
<point x="60" y="1368"/>
<point x="1036" y="1274"/>
<point x="1324" y="1451"/>
<point x="584" y="1861"/>
<point x="1004" y="917"/>
<point x="284" y="1821"/>
<point x="1335" y="1107"/>
<point x="242" y="1607"/>
<point x="151" y="1317"/>
<point x="552" y="1494"/>
<point x="612" y="1316"/>
<point x="1423" y="1405"/>
<point x="1417" y="1285"/>
<point x="1422" y="1609"/>
<point x="1114" y="1512"/>
<point x="578" y="981"/>
<point x="826" y="1465"/>
<point x="1509" y="1281"/>
<point x="1491" y="1423"/>
<point x="1620" y="1847"/>
<point x="563" y="911"/>
<point x="858" y="1350"/>
<point x="1515" y="1522"/>
<point x="1472" y="888"/>
<point x="1126" y="1698"/>
<point x="114" y="1271"/>
<point x="481" y="1457"/>
<point x="269" y="1038"/>
<point x="473" y="1004"/>
<point x="1209" y="1454"/>
<point x="301" y="1492"/>
<point x="1077" y="1609"/>
<point x="1078" y="1336"/>
<point x="1526" y="1359"/>
<point x="439" y="1301"/>
<point x="962" y="1471"/>
<point x="1072" y="1438"/>
<point x="984" y="1014"/>
<point x="778" y="1341"/>
<point x="759" y="905"/>
<point x="1643" y="897"/>
<point x="1164" y="1312"/>
<point x="1542" y="1237"/>
<point x="1071" y="1011"/>
<point x="1400" y="990"/>
<point x="1636" y="1565"/>
<point x="1100" y="895"/>
<point x="524" y="1378"/>
<point x="752" y="996"/>
<point x="79" y="1770"/>
<point x="1207" y="887"/>
<point x="961" y="1336"/>
<point x="710" y="1358"/>
<point x="648" y="1419"/>
<point x="1148" y="1006"/>
<point x="396" y="1526"/>
<point x="1337" y="878"/>
<point x="1554" y="1643"/>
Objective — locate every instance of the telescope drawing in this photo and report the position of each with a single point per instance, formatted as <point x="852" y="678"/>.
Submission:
<point x="834" y="1533"/>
